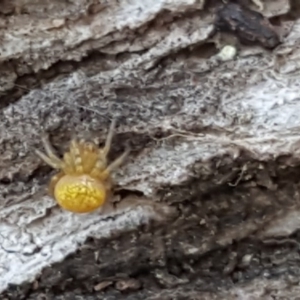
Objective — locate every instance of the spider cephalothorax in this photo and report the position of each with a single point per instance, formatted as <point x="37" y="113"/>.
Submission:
<point x="83" y="183"/>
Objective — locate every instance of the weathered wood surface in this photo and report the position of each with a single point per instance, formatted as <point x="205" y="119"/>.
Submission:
<point x="215" y="150"/>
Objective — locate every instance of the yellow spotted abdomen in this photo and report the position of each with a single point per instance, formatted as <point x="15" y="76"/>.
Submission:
<point x="79" y="194"/>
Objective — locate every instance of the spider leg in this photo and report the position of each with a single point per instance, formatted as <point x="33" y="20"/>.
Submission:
<point x="114" y="165"/>
<point x="69" y="167"/>
<point x="89" y="157"/>
<point x="75" y="156"/>
<point x="97" y="170"/>
<point x="109" y="137"/>
<point x="48" y="160"/>
<point x="50" y="151"/>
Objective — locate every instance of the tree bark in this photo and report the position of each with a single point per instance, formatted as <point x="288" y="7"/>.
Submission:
<point x="206" y="95"/>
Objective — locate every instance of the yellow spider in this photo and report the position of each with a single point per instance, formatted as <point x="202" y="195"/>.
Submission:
<point x="83" y="183"/>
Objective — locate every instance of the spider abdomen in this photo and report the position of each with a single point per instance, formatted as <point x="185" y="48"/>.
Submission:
<point x="80" y="194"/>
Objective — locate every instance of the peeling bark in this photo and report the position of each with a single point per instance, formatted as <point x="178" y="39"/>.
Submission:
<point x="208" y="200"/>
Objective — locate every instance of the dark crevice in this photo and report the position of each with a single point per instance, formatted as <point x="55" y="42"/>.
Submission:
<point x="294" y="12"/>
<point x="123" y="193"/>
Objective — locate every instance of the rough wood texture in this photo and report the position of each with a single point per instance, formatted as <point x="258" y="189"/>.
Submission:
<point x="215" y="141"/>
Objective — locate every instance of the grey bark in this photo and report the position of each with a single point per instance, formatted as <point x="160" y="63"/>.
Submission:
<point x="209" y="196"/>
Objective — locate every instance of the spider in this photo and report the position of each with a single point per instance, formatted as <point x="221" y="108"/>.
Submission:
<point x="83" y="183"/>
